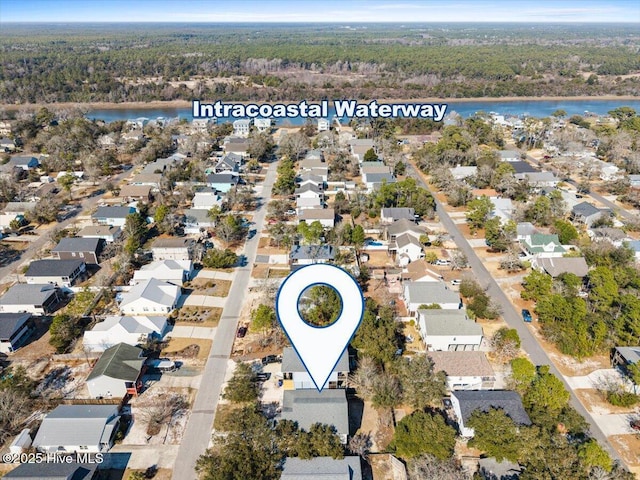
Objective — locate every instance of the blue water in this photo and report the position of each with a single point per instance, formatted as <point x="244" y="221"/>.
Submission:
<point x="375" y="244"/>
<point x="533" y="108"/>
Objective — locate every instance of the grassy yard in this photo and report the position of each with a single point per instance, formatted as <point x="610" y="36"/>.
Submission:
<point x="207" y="286"/>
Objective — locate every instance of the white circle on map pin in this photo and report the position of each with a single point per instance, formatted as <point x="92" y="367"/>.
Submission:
<point x="319" y="348"/>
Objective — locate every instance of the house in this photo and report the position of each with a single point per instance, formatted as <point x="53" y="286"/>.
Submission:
<point x="322" y="172"/>
<point x="197" y="221"/>
<point x="540" y="179"/>
<point x="309" y="254"/>
<point x="223" y="182"/>
<point x="86" y="249"/>
<point x="78" y="428"/>
<point x="465" y="370"/>
<point x="311" y="161"/>
<point x="14" y="330"/>
<point x="326" y="216"/>
<point x="428" y="293"/>
<point x="634" y="181"/>
<point x="542" y="245"/>
<point x="231" y="162"/>
<point x="609" y="172"/>
<point x="462" y="172"/>
<point x="136" y="192"/>
<point x="172" y="271"/>
<point x="509" y="155"/>
<point x="406" y="249"/>
<point x="241" y="127"/>
<point x="322" y="468"/>
<point x="635" y="247"/>
<point x="44" y="191"/>
<point x="112" y="216"/>
<point x="420" y="271"/>
<point x="172" y="248"/>
<point x="502" y="208"/>
<point x="525" y="230"/>
<point x="150" y="296"/>
<point x="490" y="469"/>
<point x="107" y="141"/>
<point x="390" y="215"/>
<point x="206" y="199"/>
<point x="307" y="407"/>
<point x="18" y="208"/>
<point x="588" y="214"/>
<point x="102" y="232"/>
<point x="57" y="272"/>
<point x="323" y="125"/>
<point x="448" y="330"/>
<point x="309" y="196"/>
<point x="149" y="179"/>
<point x="360" y="146"/>
<point x="133" y="136"/>
<point x="7" y="145"/>
<point x="520" y="168"/>
<point x="556" y="266"/>
<point x="465" y="402"/>
<point x="262" y="124"/>
<point x="615" y="236"/>
<point x="117" y="372"/>
<point x="310" y="179"/>
<point x="116" y="329"/>
<point x="296" y="376"/>
<point x="374" y="167"/>
<point x="373" y="181"/>
<point x="624" y="357"/>
<point x="309" y="202"/>
<point x="35" y="299"/>
<point x="26" y="163"/>
<point x="236" y="145"/>
<point x="53" y="471"/>
<point x="401" y="227"/>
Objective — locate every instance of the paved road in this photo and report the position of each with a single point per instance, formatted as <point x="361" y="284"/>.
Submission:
<point x="529" y="343"/>
<point x="198" y="432"/>
<point x="596" y="196"/>
<point x="39" y="244"/>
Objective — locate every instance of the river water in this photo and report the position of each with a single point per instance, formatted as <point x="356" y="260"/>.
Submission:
<point x="534" y="108"/>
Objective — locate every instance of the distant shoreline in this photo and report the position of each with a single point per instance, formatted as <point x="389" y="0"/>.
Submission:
<point x="158" y="104"/>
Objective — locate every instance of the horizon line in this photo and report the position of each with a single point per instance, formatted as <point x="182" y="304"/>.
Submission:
<point x="337" y="22"/>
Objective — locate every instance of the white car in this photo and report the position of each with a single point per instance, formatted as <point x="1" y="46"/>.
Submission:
<point x="441" y="262"/>
<point x="456" y="281"/>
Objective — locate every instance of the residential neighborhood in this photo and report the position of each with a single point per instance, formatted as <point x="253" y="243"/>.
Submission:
<point x="138" y="320"/>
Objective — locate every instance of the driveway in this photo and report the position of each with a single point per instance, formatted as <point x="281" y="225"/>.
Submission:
<point x="614" y="424"/>
<point x="596" y="378"/>
<point x="202" y="301"/>
<point x="187" y="331"/>
<point x="214" y="274"/>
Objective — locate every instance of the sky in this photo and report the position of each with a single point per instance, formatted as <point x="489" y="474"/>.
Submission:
<point x="332" y="11"/>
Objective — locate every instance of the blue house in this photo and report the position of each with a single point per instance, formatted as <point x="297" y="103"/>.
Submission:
<point x="223" y="182"/>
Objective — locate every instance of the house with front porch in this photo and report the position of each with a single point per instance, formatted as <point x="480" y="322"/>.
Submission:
<point x="117" y="373"/>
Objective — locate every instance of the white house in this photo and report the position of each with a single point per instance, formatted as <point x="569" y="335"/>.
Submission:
<point x="448" y="330"/>
<point x="326" y="216"/>
<point x="542" y="245"/>
<point x="36" y="299"/>
<point x="78" y="429"/>
<point x="172" y="248"/>
<point x="172" y="271"/>
<point x="296" y="376"/>
<point x="461" y="172"/>
<point x="428" y="293"/>
<point x="104" y="232"/>
<point x="464" y="370"/>
<point x="150" y="296"/>
<point x="323" y="125"/>
<point x="465" y="402"/>
<point x="62" y="273"/>
<point x="310" y="254"/>
<point x="390" y="215"/>
<point x="117" y="329"/>
<point x="197" y="221"/>
<point x="262" y="124"/>
<point x="206" y="199"/>
<point x="241" y="127"/>
<point x="117" y="372"/>
<point x="113" y="216"/>
<point x="407" y="249"/>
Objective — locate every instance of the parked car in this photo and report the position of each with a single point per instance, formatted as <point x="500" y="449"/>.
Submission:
<point x="456" y="281"/>
<point x="526" y="315"/>
<point x="262" y="377"/>
<point x="242" y="331"/>
<point x="442" y="262"/>
<point x="290" y="212"/>
<point x="635" y="424"/>
<point x="271" y="359"/>
<point x="162" y="364"/>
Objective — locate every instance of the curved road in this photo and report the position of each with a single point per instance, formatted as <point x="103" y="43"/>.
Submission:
<point x="510" y="315"/>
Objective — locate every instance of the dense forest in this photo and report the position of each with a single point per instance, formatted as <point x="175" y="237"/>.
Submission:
<point x="143" y="62"/>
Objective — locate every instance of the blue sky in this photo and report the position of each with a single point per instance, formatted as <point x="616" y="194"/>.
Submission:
<point x="345" y="11"/>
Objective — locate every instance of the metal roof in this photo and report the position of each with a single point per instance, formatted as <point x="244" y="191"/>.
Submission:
<point x="444" y="322"/>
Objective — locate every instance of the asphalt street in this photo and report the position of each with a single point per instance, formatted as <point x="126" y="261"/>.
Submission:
<point x="509" y="313"/>
<point x="200" y="425"/>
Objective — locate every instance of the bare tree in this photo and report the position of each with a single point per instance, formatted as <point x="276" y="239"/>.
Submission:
<point x="14" y="411"/>
<point x="428" y="467"/>
<point x="365" y="377"/>
<point x="162" y="410"/>
<point x="360" y="444"/>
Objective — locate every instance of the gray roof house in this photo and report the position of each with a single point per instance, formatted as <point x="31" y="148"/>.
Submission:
<point x="322" y="468"/>
<point x="448" y="330"/>
<point x="307" y="407"/>
<point x="150" y="297"/>
<point x="114" y="216"/>
<point x="53" y="471"/>
<point x="23" y="162"/>
<point x="231" y="162"/>
<point x="117" y="372"/>
<point x="308" y="254"/>
<point x="625" y="356"/>
<point x="14" y="329"/>
<point x="296" y="376"/>
<point x="116" y="329"/>
<point x="35" y="299"/>
<point x="390" y="215"/>
<point x="401" y="226"/>
<point x="375" y="180"/>
<point x="223" y="182"/>
<point x="426" y="293"/>
<point x="491" y="469"/>
<point x="587" y="213"/>
<point x="556" y="266"/>
<point x="103" y="232"/>
<point x="58" y="272"/>
<point x="78" y="428"/>
<point x="465" y="402"/>
<point x="86" y="249"/>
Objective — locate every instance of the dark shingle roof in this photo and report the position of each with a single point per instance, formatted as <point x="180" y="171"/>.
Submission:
<point x="11" y="322"/>
<point x="77" y="245"/>
<point x="53" y="268"/>
<point x="113" y="212"/>
<point x="52" y="471"/>
<point x="485" y="400"/>
<point x="585" y="209"/>
<point x="25" y="294"/>
<point x="121" y="361"/>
